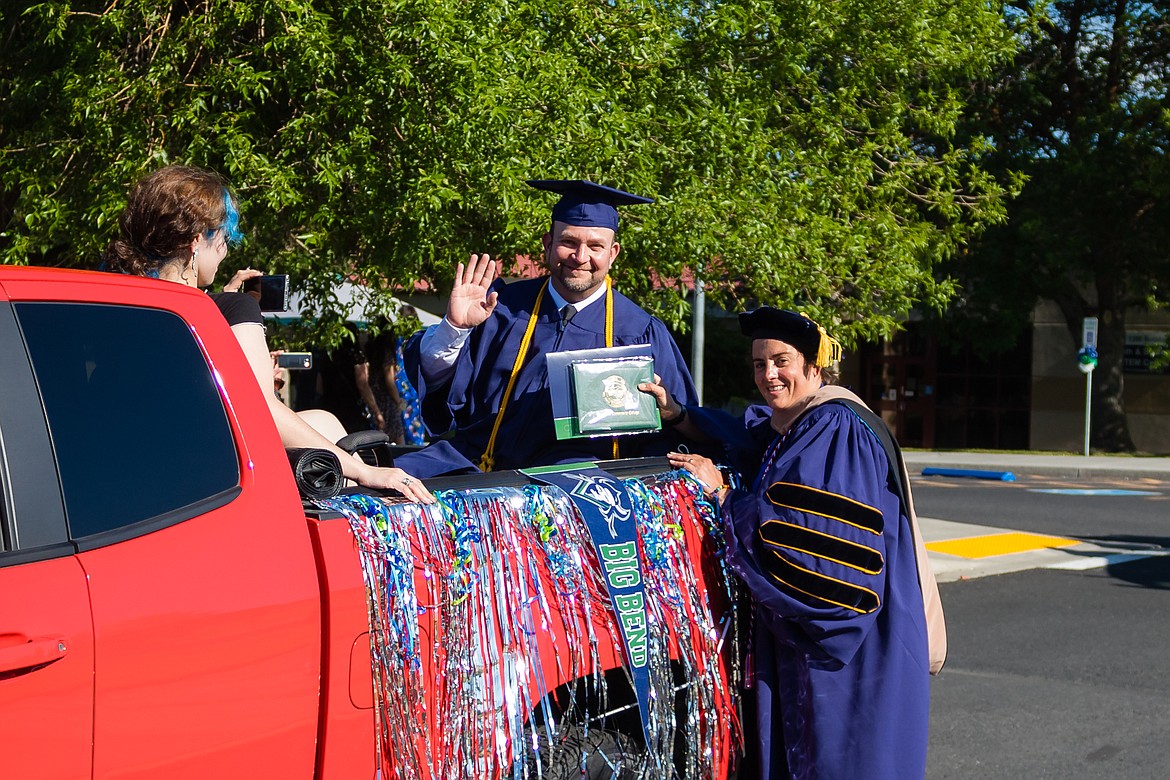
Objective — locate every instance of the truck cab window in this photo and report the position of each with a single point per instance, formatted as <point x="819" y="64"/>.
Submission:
<point x="138" y="425"/>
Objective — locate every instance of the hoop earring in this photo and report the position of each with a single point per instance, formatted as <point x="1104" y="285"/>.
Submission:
<point x="195" y="265"/>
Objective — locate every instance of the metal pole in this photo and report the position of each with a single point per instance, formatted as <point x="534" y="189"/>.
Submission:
<point x="698" y="313"/>
<point x="1088" y="407"/>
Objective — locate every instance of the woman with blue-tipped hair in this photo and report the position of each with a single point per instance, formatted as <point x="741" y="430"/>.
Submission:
<point x="177" y="226"/>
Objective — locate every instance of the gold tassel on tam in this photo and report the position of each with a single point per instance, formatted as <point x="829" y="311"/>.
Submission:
<point x="829" y="349"/>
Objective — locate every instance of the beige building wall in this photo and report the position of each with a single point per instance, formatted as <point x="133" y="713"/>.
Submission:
<point x="1058" y="387"/>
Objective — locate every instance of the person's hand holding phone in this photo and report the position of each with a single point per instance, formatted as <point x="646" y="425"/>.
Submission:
<point x="239" y="277"/>
<point x="271" y="291"/>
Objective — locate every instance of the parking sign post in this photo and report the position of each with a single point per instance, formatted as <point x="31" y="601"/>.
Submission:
<point x="1086" y="362"/>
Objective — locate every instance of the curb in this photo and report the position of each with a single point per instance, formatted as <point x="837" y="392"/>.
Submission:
<point x="1067" y="467"/>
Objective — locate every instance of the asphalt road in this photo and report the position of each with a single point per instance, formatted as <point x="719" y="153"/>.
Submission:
<point x="1055" y="674"/>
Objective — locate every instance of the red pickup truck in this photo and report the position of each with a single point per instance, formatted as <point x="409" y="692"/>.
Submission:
<point x="171" y="608"/>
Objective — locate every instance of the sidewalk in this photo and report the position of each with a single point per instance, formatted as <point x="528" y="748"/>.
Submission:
<point x="960" y="551"/>
<point x="1108" y="466"/>
<point x="964" y="550"/>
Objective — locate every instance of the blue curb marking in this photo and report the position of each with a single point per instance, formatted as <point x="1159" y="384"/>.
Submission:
<point x="1095" y="492"/>
<point x="1002" y="476"/>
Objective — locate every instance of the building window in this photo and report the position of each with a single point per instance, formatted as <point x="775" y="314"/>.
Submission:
<point x="984" y="402"/>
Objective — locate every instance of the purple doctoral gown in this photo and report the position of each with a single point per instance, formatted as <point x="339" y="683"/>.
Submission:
<point x="839" y="649"/>
<point x="527" y="436"/>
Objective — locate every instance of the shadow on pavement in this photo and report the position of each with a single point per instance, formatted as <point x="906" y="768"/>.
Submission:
<point x="1125" y="542"/>
<point x="1153" y="572"/>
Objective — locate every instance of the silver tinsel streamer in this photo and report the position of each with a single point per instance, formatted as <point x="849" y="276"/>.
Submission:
<point x="483" y="603"/>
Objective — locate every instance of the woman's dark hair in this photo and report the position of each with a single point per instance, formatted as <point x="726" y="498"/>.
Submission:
<point x="382" y="349"/>
<point x="165" y="212"/>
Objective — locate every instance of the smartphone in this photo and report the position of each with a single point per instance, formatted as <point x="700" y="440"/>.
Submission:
<point x="295" y="360"/>
<point x="272" y="291"/>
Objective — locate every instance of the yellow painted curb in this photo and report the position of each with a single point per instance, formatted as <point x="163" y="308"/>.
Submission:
<point x="998" y="544"/>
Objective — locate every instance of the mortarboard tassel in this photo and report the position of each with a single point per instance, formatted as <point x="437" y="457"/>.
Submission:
<point x="829" y="349"/>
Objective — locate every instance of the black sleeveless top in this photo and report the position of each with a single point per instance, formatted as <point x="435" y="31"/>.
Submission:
<point x="238" y="308"/>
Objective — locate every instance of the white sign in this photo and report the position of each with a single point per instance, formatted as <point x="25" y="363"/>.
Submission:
<point x="1089" y="333"/>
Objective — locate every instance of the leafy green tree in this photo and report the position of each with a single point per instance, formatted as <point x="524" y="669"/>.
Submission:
<point x="802" y="153"/>
<point x="1084" y="113"/>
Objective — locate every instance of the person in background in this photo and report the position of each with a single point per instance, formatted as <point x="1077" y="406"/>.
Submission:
<point x="827" y="548"/>
<point x="279" y="375"/>
<point x="383" y="360"/>
<point x="413" y="430"/>
<point x="177" y="226"/>
<point x="482" y="370"/>
<point x="345" y="385"/>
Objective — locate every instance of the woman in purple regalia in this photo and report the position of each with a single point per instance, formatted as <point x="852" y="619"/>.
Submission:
<point x="824" y="543"/>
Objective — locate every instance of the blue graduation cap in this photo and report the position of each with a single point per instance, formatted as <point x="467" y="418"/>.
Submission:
<point x="586" y="204"/>
<point x="768" y="322"/>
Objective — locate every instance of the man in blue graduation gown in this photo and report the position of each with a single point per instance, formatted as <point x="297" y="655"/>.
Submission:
<point x="839" y="662"/>
<point x="486" y="360"/>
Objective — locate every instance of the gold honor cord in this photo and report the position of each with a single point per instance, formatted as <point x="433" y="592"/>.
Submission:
<point x="488" y="461"/>
<point x="609" y="338"/>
